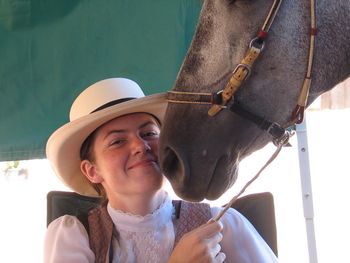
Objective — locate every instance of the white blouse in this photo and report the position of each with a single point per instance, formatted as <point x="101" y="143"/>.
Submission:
<point x="151" y="238"/>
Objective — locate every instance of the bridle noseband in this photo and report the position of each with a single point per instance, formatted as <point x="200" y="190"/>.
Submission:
<point x="224" y="99"/>
<point x="278" y="133"/>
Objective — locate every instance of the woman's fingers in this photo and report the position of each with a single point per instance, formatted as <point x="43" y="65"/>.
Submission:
<point x="210" y="229"/>
<point x="220" y="257"/>
<point x="200" y="245"/>
<point x="215" y="250"/>
<point x="215" y="239"/>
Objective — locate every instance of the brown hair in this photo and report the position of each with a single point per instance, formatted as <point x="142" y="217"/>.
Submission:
<point x="86" y="153"/>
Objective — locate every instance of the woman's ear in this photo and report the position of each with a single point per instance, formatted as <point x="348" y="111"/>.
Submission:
<point x="90" y="170"/>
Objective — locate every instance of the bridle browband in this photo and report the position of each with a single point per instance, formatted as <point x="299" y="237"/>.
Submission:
<point x="224" y="99"/>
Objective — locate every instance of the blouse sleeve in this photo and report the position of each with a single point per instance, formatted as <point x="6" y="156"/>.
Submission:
<point x="66" y="240"/>
<point x="241" y="242"/>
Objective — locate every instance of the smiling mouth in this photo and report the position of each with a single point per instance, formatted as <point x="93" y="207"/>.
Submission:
<point x="143" y="163"/>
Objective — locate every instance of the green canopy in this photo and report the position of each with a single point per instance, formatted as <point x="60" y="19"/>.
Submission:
<point x="51" y="50"/>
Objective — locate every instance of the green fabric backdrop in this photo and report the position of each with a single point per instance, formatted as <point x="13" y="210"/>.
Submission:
<point x="50" y="50"/>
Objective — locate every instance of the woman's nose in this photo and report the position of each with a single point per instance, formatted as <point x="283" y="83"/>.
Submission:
<point x="140" y="145"/>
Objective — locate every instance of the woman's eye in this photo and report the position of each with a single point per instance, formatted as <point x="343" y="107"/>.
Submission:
<point x="117" y="142"/>
<point x="151" y="134"/>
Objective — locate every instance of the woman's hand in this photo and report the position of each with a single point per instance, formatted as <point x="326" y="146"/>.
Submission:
<point x="200" y="245"/>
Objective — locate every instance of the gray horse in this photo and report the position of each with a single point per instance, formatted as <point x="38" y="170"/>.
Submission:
<point x="200" y="154"/>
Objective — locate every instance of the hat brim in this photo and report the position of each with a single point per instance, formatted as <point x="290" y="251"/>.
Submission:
<point x="63" y="146"/>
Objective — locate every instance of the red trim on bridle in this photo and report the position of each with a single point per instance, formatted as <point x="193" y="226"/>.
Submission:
<point x="313" y="31"/>
<point x="262" y="35"/>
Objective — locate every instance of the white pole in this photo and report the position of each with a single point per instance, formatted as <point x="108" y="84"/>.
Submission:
<point x="304" y="166"/>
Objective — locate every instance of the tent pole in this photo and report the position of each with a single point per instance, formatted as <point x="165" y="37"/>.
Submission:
<point x="304" y="166"/>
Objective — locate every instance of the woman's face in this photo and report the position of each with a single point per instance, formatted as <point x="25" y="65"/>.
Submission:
<point x="125" y="153"/>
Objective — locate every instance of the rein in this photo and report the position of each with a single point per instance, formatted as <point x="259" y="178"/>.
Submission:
<point x="224" y="99"/>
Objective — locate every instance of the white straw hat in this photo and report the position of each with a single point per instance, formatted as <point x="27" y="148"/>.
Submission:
<point x="96" y="105"/>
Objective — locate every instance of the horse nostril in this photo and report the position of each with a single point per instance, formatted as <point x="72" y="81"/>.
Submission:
<point x="171" y="165"/>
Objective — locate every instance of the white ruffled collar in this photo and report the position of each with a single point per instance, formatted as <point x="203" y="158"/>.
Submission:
<point x="135" y="223"/>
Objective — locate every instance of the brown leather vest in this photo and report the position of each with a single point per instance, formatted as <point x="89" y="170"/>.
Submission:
<point x="188" y="216"/>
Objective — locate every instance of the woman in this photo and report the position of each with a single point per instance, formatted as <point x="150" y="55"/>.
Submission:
<point x="110" y="148"/>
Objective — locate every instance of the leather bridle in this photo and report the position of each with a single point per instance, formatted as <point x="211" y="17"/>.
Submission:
<point x="224" y="99"/>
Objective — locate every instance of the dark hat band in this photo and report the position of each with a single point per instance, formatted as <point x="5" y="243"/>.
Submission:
<point x="111" y="103"/>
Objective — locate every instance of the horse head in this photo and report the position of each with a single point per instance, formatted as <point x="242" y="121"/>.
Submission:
<point x="200" y="154"/>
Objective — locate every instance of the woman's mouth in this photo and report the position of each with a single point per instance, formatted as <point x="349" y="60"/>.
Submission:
<point x="143" y="163"/>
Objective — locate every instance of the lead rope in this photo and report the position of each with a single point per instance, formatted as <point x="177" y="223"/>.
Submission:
<point x="298" y="112"/>
<point x="273" y="157"/>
